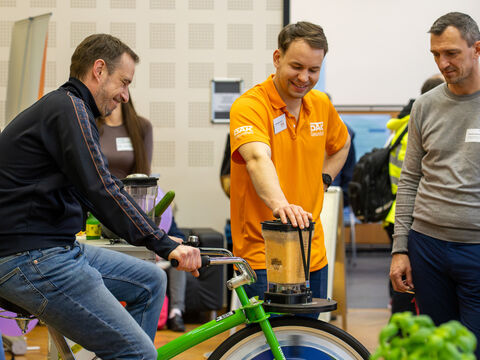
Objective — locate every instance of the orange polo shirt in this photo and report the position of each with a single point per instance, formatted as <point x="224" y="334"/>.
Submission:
<point x="298" y="152"/>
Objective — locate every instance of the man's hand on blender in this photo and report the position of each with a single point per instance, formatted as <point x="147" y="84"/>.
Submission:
<point x="188" y="257"/>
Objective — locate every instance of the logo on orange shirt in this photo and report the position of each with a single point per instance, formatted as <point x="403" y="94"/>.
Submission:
<point x="316" y="128"/>
<point x="243" y="130"/>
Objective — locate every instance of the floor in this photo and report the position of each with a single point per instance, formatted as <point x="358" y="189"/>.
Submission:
<point x="367" y="298"/>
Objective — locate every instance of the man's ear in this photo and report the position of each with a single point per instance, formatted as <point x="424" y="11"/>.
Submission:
<point x="277" y="54"/>
<point x="476" y="47"/>
<point x="99" y="68"/>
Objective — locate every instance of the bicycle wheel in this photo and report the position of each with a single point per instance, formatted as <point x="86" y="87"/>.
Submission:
<point x="300" y="338"/>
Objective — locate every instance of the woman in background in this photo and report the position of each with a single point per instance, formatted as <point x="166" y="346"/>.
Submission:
<point x="126" y="140"/>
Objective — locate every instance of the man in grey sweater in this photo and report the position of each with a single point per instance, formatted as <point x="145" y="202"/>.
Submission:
<point x="437" y="223"/>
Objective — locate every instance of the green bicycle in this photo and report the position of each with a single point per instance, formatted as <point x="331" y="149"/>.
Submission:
<point x="284" y="337"/>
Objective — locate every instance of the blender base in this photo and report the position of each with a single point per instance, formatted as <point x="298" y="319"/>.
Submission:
<point x="316" y="305"/>
<point x="288" y="298"/>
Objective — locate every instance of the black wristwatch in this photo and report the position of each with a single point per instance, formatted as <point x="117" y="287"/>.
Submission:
<point x="327" y="180"/>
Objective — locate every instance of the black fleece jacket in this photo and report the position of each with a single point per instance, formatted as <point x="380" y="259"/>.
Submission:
<point x="51" y="164"/>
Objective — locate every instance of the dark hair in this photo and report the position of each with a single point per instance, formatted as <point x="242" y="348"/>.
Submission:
<point x="464" y="23"/>
<point x="135" y="126"/>
<point x="98" y="46"/>
<point x="431" y="83"/>
<point x="313" y="34"/>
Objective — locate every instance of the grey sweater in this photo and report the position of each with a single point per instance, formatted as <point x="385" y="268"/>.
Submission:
<point x="439" y="188"/>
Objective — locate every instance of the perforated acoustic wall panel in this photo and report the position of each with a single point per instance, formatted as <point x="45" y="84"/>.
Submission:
<point x="123" y="4"/>
<point x="164" y="154"/>
<point x="5" y="33"/>
<point x="8" y="3"/>
<point x="3" y="73"/>
<point x="240" y="5"/>
<point x="162" y="4"/>
<point x="162" y="75"/>
<point x="162" y="114"/>
<point x="51" y="74"/>
<point x="43" y="3"/>
<point x="52" y="34"/>
<point x="200" y="74"/>
<point x="162" y="36"/>
<point x="198" y="114"/>
<point x="200" y="153"/>
<point x="85" y="4"/>
<point x="183" y="45"/>
<point x="201" y="36"/>
<point x="127" y="31"/>
<point x="80" y="30"/>
<point x="242" y="71"/>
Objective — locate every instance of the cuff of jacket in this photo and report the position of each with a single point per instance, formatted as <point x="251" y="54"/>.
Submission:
<point x="400" y="245"/>
<point x="161" y="244"/>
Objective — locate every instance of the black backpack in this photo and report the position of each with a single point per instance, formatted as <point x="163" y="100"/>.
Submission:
<point x="370" y="190"/>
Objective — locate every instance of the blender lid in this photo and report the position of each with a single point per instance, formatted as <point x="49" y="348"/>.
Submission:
<point x="277" y="225"/>
<point x="140" y="180"/>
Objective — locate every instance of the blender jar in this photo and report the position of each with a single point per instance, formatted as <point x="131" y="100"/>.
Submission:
<point x="287" y="254"/>
<point x="143" y="189"/>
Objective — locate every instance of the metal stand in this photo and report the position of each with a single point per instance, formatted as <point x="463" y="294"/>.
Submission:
<point x="61" y="344"/>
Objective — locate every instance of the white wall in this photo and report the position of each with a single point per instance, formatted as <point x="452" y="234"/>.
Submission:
<point x="182" y="44"/>
<point x="378" y="49"/>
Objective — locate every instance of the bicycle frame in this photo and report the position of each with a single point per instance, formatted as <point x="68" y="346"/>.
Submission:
<point x="251" y="311"/>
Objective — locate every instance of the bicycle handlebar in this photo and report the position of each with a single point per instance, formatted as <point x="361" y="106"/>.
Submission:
<point x="205" y="261"/>
<point x="219" y="256"/>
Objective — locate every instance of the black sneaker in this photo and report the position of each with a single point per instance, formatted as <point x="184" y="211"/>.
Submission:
<point x="176" y="324"/>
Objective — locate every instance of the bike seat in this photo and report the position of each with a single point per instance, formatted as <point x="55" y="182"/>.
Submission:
<point x="9" y="306"/>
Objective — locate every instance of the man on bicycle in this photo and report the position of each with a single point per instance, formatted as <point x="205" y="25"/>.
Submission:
<point x="284" y="136"/>
<point x="51" y="166"/>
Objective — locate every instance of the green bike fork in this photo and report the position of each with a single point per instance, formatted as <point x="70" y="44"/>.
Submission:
<point x="256" y="313"/>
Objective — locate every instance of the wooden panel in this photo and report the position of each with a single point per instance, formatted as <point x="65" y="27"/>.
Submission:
<point x="368" y="234"/>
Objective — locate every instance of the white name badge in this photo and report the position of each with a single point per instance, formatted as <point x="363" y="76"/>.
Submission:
<point x="472" y="135"/>
<point x="279" y="124"/>
<point x="124" y="144"/>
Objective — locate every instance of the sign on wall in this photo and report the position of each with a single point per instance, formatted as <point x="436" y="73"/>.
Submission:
<point x="224" y="93"/>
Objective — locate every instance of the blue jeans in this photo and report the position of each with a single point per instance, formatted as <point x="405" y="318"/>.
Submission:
<point x="76" y="289"/>
<point x="318" y="284"/>
<point x="446" y="279"/>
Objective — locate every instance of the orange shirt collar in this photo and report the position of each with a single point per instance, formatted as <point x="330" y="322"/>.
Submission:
<point x="278" y="103"/>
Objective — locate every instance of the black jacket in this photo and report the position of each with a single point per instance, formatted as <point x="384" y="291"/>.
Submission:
<point x="51" y="164"/>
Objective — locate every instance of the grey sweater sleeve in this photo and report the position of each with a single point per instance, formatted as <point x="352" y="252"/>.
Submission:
<point x="408" y="183"/>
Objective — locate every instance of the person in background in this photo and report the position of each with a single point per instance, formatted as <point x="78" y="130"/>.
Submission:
<point x="436" y="246"/>
<point x="284" y="136"/>
<point x="51" y="166"/>
<point x="345" y="175"/>
<point x="401" y="301"/>
<point x="126" y="140"/>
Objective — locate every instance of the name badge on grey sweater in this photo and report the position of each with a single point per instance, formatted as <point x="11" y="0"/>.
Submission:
<point x="472" y="135"/>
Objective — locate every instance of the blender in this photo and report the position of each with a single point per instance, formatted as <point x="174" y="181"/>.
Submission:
<point x="143" y="189"/>
<point x="287" y="254"/>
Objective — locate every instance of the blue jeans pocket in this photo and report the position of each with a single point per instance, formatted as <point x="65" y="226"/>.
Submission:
<point x="16" y="288"/>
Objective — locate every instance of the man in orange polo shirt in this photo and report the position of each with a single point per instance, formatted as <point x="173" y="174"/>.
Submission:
<point x="287" y="143"/>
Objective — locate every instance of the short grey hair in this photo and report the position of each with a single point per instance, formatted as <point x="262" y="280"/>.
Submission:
<point x="464" y="23"/>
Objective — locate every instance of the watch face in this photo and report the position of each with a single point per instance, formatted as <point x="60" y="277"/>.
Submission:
<point x="327" y="179"/>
